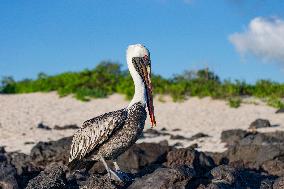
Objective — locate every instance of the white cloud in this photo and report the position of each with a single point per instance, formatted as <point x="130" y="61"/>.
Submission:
<point x="264" y="38"/>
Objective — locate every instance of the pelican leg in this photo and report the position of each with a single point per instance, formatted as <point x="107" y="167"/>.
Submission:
<point x="112" y="174"/>
<point x="122" y="175"/>
<point x="116" y="166"/>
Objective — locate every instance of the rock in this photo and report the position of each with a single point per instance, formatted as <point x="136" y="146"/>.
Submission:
<point x="219" y="186"/>
<point x="99" y="182"/>
<point x="53" y="177"/>
<point x="254" y="153"/>
<point x="8" y="176"/>
<point x="164" y="178"/>
<point x="260" y="123"/>
<point x="232" y="137"/>
<point x="178" y="137"/>
<point x="197" y="136"/>
<point x="25" y="168"/>
<point x="279" y="183"/>
<point x="154" y="133"/>
<point x="163" y="129"/>
<point x="54" y="151"/>
<point x="253" y="148"/>
<point x="42" y="126"/>
<point x="2" y="154"/>
<point x="266" y="184"/>
<point x="281" y="110"/>
<point x="274" y="167"/>
<point x="56" y="127"/>
<point x="28" y="142"/>
<point x="177" y="129"/>
<point x="224" y="174"/>
<point x="190" y="157"/>
<point x="2" y="150"/>
<point x="141" y="155"/>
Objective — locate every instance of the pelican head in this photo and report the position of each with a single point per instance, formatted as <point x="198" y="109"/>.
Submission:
<point x="139" y="64"/>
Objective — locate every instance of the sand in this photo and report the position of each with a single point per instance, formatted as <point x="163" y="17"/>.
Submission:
<point x="20" y="115"/>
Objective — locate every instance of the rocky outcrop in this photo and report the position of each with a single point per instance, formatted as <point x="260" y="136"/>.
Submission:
<point x="253" y="160"/>
<point x="53" y="177"/>
<point x="260" y="123"/>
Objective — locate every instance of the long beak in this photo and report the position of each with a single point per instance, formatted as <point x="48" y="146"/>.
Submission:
<point x="149" y="90"/>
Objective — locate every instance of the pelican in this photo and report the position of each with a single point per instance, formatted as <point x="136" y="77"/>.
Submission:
<point x="107" y="136"/>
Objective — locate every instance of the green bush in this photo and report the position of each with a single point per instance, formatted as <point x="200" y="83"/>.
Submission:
<point x="108" y="78"/>
<point x="235" y="102"/>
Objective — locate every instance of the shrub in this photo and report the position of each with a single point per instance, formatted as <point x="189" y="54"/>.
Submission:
<point x="108" y="78"/>
<point x="234" y="102"/>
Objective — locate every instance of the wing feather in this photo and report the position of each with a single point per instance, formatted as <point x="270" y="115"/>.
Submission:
<point x="94" y="132"/>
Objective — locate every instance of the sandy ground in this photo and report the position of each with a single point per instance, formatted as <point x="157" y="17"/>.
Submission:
<point x="20" y="115"/>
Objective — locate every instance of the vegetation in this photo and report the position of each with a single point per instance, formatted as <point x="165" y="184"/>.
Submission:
<point x="235" y="102"/>
<point x="108" y="78"/>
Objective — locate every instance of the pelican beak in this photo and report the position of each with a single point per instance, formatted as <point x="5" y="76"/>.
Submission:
<point x="149" y="92"/>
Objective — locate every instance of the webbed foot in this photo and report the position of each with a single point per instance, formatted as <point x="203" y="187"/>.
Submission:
<point x="121" y="176"/>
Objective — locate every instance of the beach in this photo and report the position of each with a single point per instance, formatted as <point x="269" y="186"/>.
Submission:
<point x="22" y="113"/>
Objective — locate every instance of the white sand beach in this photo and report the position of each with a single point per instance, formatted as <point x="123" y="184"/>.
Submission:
<point x="20" y="115"/>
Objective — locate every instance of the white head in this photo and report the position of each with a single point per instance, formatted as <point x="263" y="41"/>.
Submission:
<point x="139" y="65"/>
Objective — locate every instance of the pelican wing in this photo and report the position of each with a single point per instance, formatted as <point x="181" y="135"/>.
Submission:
<point x="94" y="132"/>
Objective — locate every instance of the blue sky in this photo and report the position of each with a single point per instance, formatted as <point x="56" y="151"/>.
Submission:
<point x="68" y="35"/>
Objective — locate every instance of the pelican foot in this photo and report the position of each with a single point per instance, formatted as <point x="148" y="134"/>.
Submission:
<point x="120" y="176"/>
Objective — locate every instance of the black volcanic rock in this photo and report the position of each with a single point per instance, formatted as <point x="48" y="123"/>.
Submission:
<point x="8" y="176"/>
<point x="165" y="178"/>
<point x="42" y="126"/>
<point x="255" y="148"/>
<point x="190" y="157"/>
<point x="198" y="135"/>
<point x="252" y="161"/>
<point x="260" y="123"/>
<point x="65" y="127"/>
<point x="274" y="167"/>
<point x="53" y="177"/>
<point x="225" y="174"/>
<point x="99" y="182"/>
<point x="279" y="183"/>
<point x="142" y="155"/>
<point x="26" y="170"/>
<point x="232" y="137"/>
<point x="44" y="153"/>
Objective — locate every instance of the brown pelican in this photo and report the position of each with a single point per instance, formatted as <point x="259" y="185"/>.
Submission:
<point x="109" y="135"/>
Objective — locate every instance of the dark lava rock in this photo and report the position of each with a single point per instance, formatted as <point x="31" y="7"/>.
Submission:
<point x="190" y="157"/>
<point x="8" y="176"/>
<point x="163" y="129"/>
<point x="56" y="127"/>
<point x="42" y="126"/>
<point x="198" y="135"/>
<point x="25" y="168"/>
<point x="232" y="137"/>
<point x="177" y="129"/>
<point x="99" y="182"/>
<point x="254" y="147"/>
<point x="142" y="155"/>
<point x="178" y="137"/>
<point x="2" y="150"/>
<point x="53" y="177"/>
<point x="260" y="123"/>
<point x="28" y="142"/>
<point x="279" y="183"/>
<point x="154" y="133"/>
<point x="164" y="178"/>
<point x="274" y="167"/>
<point x="281" y="110"/>
<point x="225" y="174"/>
<point x="44" y="153"/>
